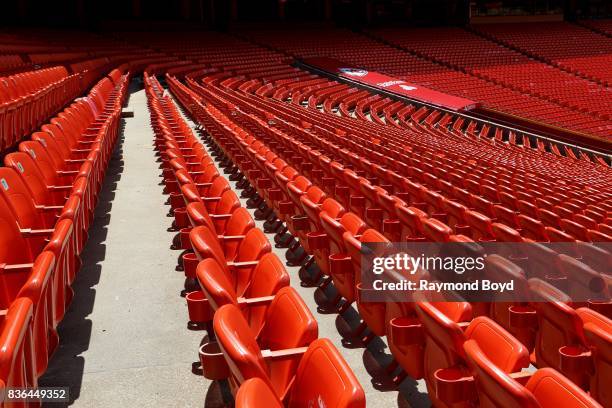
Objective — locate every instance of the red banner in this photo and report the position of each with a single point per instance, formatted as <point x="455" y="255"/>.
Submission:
<point x="391" y="84"/>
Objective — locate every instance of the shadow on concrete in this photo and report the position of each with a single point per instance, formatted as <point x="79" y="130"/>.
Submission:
<point x="66" y="367"/>
<point x="379" y="363"/>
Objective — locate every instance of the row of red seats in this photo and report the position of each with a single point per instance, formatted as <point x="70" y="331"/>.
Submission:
<point x="263" y="68"/>
<point x="603" y="26"/>
<point x="565" y="45"/>
<point x="477" y="225"/>
<point x="500" y="207"/>
<point x="362" y="52"/>
<point x="48" y="192"/>
<point x="486" y="59"/>
<point x="91" y="70"/>
<point x="417" y="200"/>
<point x="497" y="194"/>
<point x="10" y="63"/>
<point x="266" y="335"/>
<point x="236" y="83"/>
<point x="57" y="57"/>
<point x="217" y="51"/>
<point x="289" y="180"/>
<point x="28" y="99"/>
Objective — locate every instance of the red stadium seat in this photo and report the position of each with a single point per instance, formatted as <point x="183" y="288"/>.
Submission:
<point x="238" y="260"/>
<point x="444" y="356"/>
<point x="544" y="388"/>
<point x="268" y="277"/>
<point x="321" y="378"/>
<point x="292" y="328"/>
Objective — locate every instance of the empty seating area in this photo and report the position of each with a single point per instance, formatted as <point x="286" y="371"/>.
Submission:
<point x="463" y="50"/>
<point x="271" y="180"/>
<point x="37" y="86"/>
<point x="338" y="198"/>
<point x="518" y="98"/>
<point x="259" y="327"/>
<point x="542" y="41"/>
<point x="30" y="98"/>
<point x="603" y="26"/>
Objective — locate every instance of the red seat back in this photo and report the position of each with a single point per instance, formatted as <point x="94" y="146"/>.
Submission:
<point x="32" y="177"/>
<point x="323" y="378"/>
<point x="256" y="393"/>
<point x="17" y="195"/>
<point x="288" y="324"/>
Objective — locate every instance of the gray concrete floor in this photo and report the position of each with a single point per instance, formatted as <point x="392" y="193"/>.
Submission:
<point x="124" y="340"/>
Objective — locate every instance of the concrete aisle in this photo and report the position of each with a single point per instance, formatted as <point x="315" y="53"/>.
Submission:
<point x="124" y="341"/>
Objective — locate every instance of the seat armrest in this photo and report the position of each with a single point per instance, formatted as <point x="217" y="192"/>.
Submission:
<point x="27" y="232"/>
<point x="16" y="267"/>
<point x="54" y="208"/>
<point x="243" y="264"/>
<point x="231" y="237"/>
<point x="256" y="301"/>
<point x="521" y="377"/>
<point x="60" y="188"/>
<point x="283" y="354"/>
<point x="219" y="216"/>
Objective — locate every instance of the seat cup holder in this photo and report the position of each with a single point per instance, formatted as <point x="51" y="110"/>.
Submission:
<point x="180" y="217"/>
<point x="392" y="227"/>
<point x="317" y="174"/>
<point x="285" y="207"/>
<point x="184" y="235"/>
<point x="198" y="307"/>
<point x="328" y="183"/>
<point x="300" y="222"/>
<point x="253" y="174"/>
<point x="575" y="360"/>
<point x="342" y="192"/>
<point x="406" y="331"/>
<point x="214" y="366"/>
<point x="172" y="186"/>
<point x="176" y="200"/>
<point x="275" y="194"/>
<point x="340" y="264"/>
<point x="264" y="183"/>
<point x="522" y="317"/>
<point x="374" y="214"/>
<point x="454" y="385"/>
<point x="603" y="307"/>
<point x="167" y="173"/>
<point x="357" y="201"/>
<point x="190" y="263"/>
<point x="317" y="240"/>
